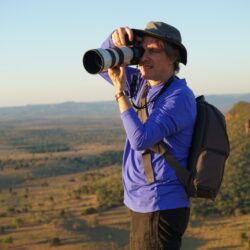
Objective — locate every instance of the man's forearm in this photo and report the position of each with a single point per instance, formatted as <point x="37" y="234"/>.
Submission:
<point x="123" y="103"/>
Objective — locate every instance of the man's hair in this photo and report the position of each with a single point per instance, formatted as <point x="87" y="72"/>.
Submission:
<point x="173" y="52"/>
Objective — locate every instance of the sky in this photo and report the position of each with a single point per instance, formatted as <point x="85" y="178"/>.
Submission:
<point x="42" y="43"/>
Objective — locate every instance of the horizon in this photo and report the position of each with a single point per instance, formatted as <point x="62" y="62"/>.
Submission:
<point x="42" y="45"/>
<point x="104" y="101"/>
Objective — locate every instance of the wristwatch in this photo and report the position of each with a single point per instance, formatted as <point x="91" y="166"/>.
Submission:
<point x="120" y="94"/>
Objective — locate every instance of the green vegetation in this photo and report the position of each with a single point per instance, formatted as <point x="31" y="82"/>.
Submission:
<point x="55" y="136"/>
<point x="89" y="210"/>
<point x="107" y="188"/>
<point x="109" y="192"/>
<point x="107" y="158"/>
<point x="7" y="240"/>
<point x="55" y="241"/>
<point x="46" y="148"/>
<point x="18" y="222"/>
<point x="2" y="230"/>
<point x="245" y="239"/>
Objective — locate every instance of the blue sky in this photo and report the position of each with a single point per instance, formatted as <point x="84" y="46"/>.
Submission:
<point x="42" y="43"/>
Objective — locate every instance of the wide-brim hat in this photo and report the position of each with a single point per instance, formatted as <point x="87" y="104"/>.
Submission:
<point x="167" y="33"/>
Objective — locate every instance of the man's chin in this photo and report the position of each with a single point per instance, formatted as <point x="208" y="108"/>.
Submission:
<point x="144" y="75"/>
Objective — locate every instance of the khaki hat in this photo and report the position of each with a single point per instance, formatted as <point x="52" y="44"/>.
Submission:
<point x="167" y="33"/>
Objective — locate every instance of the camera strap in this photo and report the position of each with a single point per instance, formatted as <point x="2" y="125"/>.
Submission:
<point x="145" y="104"/>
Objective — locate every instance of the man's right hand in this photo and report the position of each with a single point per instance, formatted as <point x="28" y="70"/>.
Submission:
<point x="118" y="36"/>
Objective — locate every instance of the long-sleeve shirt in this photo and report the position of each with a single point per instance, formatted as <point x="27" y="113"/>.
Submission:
<point x="171" y="119"/>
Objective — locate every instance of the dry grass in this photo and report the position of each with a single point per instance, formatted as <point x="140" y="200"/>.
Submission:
<point x="220" y="233"/>
<point x="40" y="213"/>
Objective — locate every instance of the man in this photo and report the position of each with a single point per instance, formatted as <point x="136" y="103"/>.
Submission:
<point x="159" y="204"/>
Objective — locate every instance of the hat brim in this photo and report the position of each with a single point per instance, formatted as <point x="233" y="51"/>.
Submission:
<point x="183" y="51"/>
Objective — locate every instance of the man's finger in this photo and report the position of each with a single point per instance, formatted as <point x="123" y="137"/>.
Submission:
<point x="121" y="33"/>
<point x="130" y="33"/>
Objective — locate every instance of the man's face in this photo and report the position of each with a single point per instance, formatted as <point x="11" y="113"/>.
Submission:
<point x="155" y="64"/>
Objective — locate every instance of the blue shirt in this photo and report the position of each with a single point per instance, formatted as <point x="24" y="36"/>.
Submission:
<point x="171" y="119"/>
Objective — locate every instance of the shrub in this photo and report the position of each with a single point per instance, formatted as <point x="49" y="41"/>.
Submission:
<point x="11" y="209"/>
<point x="18" y="222"/>
<point x="89" y="210"/>
<point x="7" y="240"/>
<point x="51" y="198"/>
<point x="55" y="241"/>
<point x="245" y="239"/>
<point x="62" y="213"/>
<point x="2" y="230"/>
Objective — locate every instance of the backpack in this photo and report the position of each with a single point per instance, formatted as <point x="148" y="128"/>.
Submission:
<point x="208" y="154"/>
<point x="209" y="151"/>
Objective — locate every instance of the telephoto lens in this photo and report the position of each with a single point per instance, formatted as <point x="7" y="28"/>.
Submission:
<point x="99" y="60"/>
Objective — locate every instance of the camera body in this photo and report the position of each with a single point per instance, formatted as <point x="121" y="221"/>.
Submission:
<point x="99" y="60"/>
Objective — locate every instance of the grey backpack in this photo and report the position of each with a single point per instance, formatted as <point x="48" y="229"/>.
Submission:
<point x="208" y="153"/>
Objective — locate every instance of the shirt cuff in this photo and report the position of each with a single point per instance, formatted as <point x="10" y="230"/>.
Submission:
<point x="127" y="112"/>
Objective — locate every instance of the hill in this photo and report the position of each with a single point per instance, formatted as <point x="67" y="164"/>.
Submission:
<point x="95" y="109"/>
<point x="225" y="102"/>
<point x="61" y="110"/>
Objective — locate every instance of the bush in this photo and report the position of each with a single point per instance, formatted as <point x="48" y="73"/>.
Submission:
<point x="62" y="213"/>
<point x="18" y="222"/>
<point x="7" y="240"/>
<point x="2" y="230"/>
<point x="245" y="239"/>
<point x="109" y="194"/>
<point x="55" y="241"/>
<point x="89" y="210"/>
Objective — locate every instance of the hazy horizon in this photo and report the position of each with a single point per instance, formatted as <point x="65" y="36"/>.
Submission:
<point x="234" y="95"/>
<point x="43" y="42"/>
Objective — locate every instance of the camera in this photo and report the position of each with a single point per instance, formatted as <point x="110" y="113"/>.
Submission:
<point x="100" y="60"/>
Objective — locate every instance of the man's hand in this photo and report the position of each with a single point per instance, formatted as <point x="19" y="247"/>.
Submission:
<point x="118" y="77"/>
<point x="118" y="36"/>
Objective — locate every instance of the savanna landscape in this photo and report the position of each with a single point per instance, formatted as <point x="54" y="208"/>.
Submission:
<point x="61" y="188"/>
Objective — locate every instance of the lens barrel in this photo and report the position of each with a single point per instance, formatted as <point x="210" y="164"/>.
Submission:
<point x="99" y="60"/>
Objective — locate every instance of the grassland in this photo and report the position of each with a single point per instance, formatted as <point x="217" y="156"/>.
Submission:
<point x="41" y="209"/>
<point x="36" y="218"/>
<point x="40" y="213"/>
<point x="40" y="203"/>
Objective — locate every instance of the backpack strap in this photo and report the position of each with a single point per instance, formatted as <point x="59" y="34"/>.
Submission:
<point x="159" y="148"/>
<point x="182" y="173"/>
<point x="143" y="115"/>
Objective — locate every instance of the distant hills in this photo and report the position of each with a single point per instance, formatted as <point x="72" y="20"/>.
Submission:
<point x="225" y="102"/>
<point x="61" y="110"/>
<point x="97" y="109"/>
